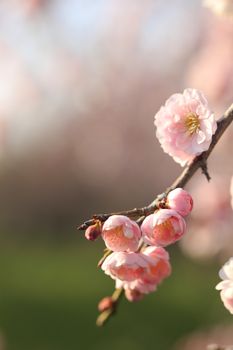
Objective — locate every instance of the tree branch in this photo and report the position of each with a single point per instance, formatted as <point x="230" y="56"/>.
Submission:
<point x="199" y="162"/>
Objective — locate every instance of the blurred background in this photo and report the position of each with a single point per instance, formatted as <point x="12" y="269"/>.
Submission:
<point x="80" y="83"/>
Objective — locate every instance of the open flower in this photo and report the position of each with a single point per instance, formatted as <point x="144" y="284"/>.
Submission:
<point x="125" y="266"/>
<point x="164" y="227"/>
<point x="121" y="234"/>
<point x="185" y="125"/>
<point x="138" y="273"/>
<point x="226" y="286"/>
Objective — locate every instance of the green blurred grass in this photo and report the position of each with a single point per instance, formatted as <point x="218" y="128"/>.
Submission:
<point x="48" y="298"/>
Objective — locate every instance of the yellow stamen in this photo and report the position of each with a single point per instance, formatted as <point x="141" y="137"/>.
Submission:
<point x="192" y="123"/>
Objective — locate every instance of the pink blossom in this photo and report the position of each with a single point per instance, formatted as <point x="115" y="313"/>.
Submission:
<point x="140" y="272"/>
<point x="164" y="227"/>
<point x="180" y="201"/>
<point x="125" y="266"/>
<point x="185" y="125"/>
<point x="226" y="286"/>
<point x="121" y="234"/>
<point x="157" y="270"/>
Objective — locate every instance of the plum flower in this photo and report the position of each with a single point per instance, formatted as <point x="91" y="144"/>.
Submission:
<point x="226" y="286"/>
<point x="125" y="266"/>
<point x="185" y="125"/>
<point x="138" y="273"/>
<point x="121" y="234"/>
<point x="164" y="227"/>
<point x="158" y="269"/>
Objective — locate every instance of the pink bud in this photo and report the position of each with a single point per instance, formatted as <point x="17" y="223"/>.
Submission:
<point x="164" y="227"/>
<point x="180" y="201"/>
<point x="121" y="234"/>
<point x="93" y="231"/>
<point x="105" y="304"/>
<point x="133" y="295"/>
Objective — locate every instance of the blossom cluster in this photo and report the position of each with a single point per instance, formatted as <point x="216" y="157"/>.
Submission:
<point x="138" y="261"/>
<point x="136" y="258"/>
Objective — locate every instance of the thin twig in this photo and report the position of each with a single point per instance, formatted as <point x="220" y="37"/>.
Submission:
<point x="199" y="162"/>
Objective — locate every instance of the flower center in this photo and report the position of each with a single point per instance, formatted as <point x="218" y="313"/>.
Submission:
<point x="165" y="229"/>
<point x="192" y="123"/>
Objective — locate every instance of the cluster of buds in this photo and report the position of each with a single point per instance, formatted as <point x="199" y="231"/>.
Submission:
<point x="138" y="261"/>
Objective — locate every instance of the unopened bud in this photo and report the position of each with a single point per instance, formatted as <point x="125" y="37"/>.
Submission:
<point x="93" y="231"/>
<point x="106" y="303"/>
<point x="180" y="200"/>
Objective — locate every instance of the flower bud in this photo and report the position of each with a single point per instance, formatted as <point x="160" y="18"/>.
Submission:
<point x="105" y="304"/>
<point x="164" y="227"/>
<point x="121" y="234"/>
<point x="93" y="231"/>
<point x="180" y="201"/>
